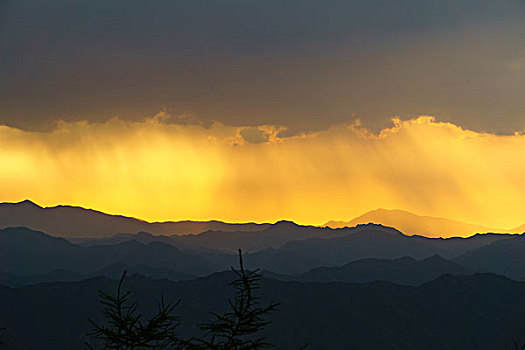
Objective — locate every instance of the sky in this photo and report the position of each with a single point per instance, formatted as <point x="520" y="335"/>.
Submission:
<point x="244" y="110"/>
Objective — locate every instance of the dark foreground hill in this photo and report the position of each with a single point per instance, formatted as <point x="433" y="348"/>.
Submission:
<point x="479" y="312"/>
<point x="404" y="270"/>
<point x="26" y="252"/>
<point x="503" y="257"/>
<point x="112" y="271"/>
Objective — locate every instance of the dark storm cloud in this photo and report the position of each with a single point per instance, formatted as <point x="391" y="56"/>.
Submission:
<point x="303" y="64"/>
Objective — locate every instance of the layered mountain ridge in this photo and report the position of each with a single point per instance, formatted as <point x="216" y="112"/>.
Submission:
<point x="79" y="223"/>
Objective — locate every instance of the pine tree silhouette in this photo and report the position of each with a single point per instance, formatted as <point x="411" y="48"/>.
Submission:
<point x="236" y="329"/>
<point x="125" y="329"/>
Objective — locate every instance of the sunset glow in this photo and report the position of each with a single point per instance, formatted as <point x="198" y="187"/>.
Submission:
<point x="157" y="170"/>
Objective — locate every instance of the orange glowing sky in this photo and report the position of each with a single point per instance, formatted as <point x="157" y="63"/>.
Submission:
<point x="158" y="170"/>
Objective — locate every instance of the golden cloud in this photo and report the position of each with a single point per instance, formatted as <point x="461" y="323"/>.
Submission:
<point x="157" y="170"/>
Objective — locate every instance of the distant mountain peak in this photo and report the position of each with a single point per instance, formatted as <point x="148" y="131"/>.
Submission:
<point x="413" y="224"/>
<point x="26" y="203"/>
<point x="284" y="223"/>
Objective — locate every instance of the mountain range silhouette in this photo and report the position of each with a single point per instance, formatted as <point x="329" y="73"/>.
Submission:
<point x="370" y="285"/>
<point x="71" y="221"/>
<point x="77" y="222"/>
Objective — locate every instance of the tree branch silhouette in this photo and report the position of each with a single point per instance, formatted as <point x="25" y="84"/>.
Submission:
<point x="236" y="329"/>
<point x="125" y="328"/>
